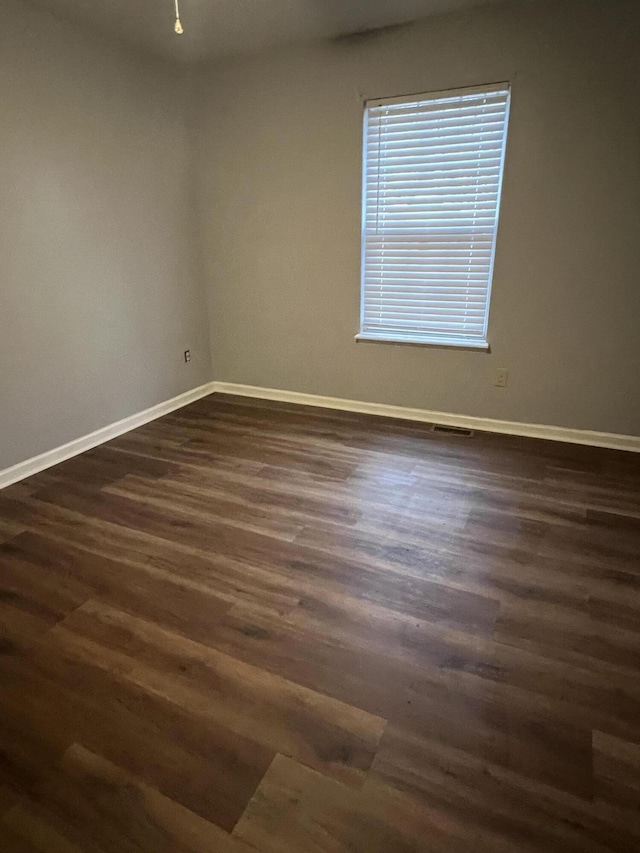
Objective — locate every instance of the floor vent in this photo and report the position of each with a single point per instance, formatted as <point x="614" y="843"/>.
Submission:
<point x="452" y="430"/>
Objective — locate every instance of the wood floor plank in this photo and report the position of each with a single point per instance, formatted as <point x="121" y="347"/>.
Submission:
<point x="165" y="518"/>
<point x="12" y="843"/>
<point x="499" y="802"/>
<point x="152" y="821"/>
<point x="617" y="772"/>
<point x="219" y="572"/>
<point x="570" y="635"/>
<point x="8" y="798"/>
<point x="205" y="767"/>
<point x="66" y="577"/>
<point x="20" y="622"/>
<point x="296" y="808"/>
<point x="9" y="529"/>
<point x="255" y="627"/>
<point x="89" y="797"/>
<point x="514" y="728"/>
<point x="319" y="730"/>
<point x="25" y="825"/>
<point x="34" y="589"/>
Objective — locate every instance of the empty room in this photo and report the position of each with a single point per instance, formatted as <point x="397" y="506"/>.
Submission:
<point x="320" y="426"/>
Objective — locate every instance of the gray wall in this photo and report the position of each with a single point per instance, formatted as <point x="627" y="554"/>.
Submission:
<point x="279" y="162"/>
<point x="100" y="292"/>
<point x="101" y="239"/>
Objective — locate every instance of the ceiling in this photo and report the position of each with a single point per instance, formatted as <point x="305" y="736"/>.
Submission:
<point x="215" y="28"/>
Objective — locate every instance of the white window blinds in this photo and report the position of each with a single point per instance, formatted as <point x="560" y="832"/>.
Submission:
<point x="432" y="176"/>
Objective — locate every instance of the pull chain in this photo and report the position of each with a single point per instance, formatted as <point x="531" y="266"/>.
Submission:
<point x="178" y="26"/>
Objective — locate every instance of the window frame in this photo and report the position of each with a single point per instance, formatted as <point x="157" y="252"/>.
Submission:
<point x="450" y="342"/>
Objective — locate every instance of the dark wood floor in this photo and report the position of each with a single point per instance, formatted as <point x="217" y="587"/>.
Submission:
<point x="258" y="627"/>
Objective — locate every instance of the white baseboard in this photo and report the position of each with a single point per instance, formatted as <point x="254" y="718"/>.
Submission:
<point x="86" y="442"/>
<point x="551" y="433"/>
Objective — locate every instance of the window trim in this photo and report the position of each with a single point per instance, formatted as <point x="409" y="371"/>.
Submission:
<point x="389" y="337"/>
<point x="481" y="345"/>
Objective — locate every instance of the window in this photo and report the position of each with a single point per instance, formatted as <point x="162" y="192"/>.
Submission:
<point x="432" y="176"/>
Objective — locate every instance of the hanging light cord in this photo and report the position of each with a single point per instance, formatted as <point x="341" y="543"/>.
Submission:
<point x="178" y="26"/>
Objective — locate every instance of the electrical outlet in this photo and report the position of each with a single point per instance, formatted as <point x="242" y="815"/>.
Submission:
<point x="187" y="355"/>
<point x="502" y="377"/>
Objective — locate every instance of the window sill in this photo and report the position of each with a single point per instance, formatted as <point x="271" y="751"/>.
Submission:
<point x="479" y="346"/>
